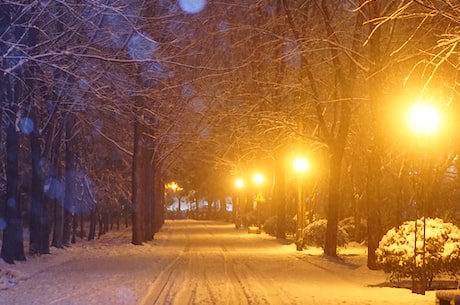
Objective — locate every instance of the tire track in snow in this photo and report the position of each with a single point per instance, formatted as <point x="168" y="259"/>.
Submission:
<point x="186" y="296"/>
<point x="262" y="290"/>
<point x="211" y="277"/>
<point x="237" y="293"/>
<point x="209" y="272"/>
<point x="162" y="288"/>
<point x="250" y="286"/>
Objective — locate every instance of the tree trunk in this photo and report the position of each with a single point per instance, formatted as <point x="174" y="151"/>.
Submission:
<point x="11" y="94"/>
<point x="374" y="161"/>
<point x="82" y="226"/>
<point x="158" y="214"/>
<point x="344" y="86"/>
<point x="333" y="203"/>
<point x="279" y="200"/>
<point x="137" y="179"/>
<point x="55" y="190"/>
<point x="39" y="214"/>
<point x="58" y="224"/>
<point x="150" y="199"/>
<point x="69" y="196"/>
<point x="92" y="224"/>
<point x="74" y="229"/>
<point x="12" y="246"/>
<point x="373" y="202"/>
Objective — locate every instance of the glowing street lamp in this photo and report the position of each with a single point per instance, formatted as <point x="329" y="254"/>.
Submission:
<point x="239" y="184"/>
<point x="424" y="120"/>
<point x="175" y="188"/>
<point x="300" y="165"/>
<point x="258" y="179"/>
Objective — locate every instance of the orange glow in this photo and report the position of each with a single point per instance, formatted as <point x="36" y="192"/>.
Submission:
<point x="258" y="178"/>
<point x="301" y="165"/>
<point x="239" y="183"/>
<point x="424" y="119"/>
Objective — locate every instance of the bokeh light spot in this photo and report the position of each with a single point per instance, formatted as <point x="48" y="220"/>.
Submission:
<point x="26" y="125"/>
<point x="2" y="224"/>
<point x="192" y="6"/>
<point x="11" y="202"/>
<point x="53" y="188"/>
<point x="141" y="47"/>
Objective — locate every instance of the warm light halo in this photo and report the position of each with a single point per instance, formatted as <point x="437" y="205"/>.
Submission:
<point x="239" y="183"/>
<point x="173" y="186"/>
<point x="301" y="164"/>
<point x="424" y="119"/>
<point x="258" y="178"/>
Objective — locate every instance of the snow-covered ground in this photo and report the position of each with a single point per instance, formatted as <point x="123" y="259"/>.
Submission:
<point x="197" y="262"/>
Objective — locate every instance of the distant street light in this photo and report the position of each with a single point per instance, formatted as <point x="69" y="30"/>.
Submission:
<point x="175" y="189"/>
<point x="258" y="179"/>
<point x="300" y="165"/>
<point x="424" y="120"/>
<point x="239" y="183"/>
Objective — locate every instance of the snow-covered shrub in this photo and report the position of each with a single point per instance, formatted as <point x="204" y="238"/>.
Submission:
<point x="442" y="255"/>
<point x="315" y="234"/>
<point x="348" y="224"/>
<point x="271" y="225"/>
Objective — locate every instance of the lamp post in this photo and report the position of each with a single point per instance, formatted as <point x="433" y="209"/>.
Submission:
<point x="239" y="183"/>
<point x="300" y="165"/>
<point x="258" y="180"/>
<point x="424" y="120"/>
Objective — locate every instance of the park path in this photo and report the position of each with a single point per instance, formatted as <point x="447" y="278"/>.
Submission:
<point x="212" y="263"/>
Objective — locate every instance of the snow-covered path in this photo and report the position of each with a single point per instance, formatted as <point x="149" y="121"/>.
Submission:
<point x="215" y="264"/>
<point x="197" y="262"/>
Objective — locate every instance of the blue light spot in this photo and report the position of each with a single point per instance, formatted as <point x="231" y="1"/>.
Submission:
<point x="26" y="125"/>
<point x="53" y="188"/>
<point x="11" y="202"/>
<point x="192" y="6"/>
<point x="141" y="47"/>
<point x="152" y="72"/>
<point x="223" y="26"/>
<point x="2" y="224"/>
<point x="188" y="91"/>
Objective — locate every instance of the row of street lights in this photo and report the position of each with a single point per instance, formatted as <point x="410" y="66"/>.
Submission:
<point x="300" y="166"/>
<point x="424" y="120"/>
<point x="258" y="180"/>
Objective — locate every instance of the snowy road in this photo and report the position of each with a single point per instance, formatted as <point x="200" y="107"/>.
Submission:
<point x="197" y="262"/>
<point x="212" y="263"/>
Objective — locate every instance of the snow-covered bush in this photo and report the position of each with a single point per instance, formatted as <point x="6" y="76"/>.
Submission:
<point x="315" y="234"/>
<point x="348" y="224"/>
<point x="271" y="227"/>
<point x="442" y="255"/>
